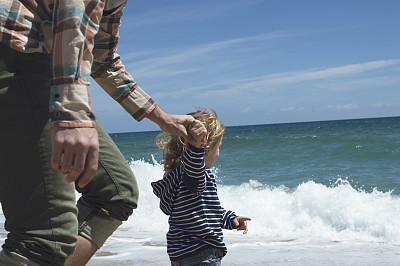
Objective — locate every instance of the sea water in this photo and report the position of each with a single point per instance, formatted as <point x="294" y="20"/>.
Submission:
<point x="318" y="193"/>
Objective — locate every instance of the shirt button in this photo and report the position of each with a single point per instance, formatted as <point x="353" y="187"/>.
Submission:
<point x="57" y="96"/>
<point x="57" y="114"/>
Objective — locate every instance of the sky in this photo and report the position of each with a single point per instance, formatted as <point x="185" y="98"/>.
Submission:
<point x="260" y="62"/>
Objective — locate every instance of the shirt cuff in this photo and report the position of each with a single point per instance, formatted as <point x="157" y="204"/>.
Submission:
<point x="227" y="219"/>
<point x="195" y="149"/>
<point x="137" y="103"/>
<point x="70" y="106"/>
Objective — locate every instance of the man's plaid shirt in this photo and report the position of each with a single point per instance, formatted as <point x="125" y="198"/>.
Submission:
<point x="82" y="37"/>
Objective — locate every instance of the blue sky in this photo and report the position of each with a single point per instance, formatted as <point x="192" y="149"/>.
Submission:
<point x="260" y="62"/>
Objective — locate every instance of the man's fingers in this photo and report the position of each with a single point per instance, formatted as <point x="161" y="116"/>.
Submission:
<point x="78" y="149"/>
<point x="182" y="131"/>
<point x="90" y="168"/>
<point x="67" y="162"/>
<point x="189" y="139"/>
<point x="76" y="168"/>
<point x="197" y="132"/>
<point x="85" y="166"/>
<point x="55" y="160"/>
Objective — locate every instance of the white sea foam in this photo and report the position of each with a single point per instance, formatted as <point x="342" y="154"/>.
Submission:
<point x="336" y="213"/>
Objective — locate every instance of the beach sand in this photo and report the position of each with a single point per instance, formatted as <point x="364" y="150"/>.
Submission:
<point x="149" y="248"/>
<point x="253" y="255"/>
<point x="250" y="251"/>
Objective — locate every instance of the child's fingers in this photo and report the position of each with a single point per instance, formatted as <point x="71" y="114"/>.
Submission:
<point x="241" y="223"/>
<point x="243" y="227"/>
<point x="236" y="222"/>
<point x="242" y="219"/>
<point x="198" y="128"/>
<point x="245" y="231"/>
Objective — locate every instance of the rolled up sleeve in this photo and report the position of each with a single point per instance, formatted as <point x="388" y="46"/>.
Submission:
<point x="75" y="25"/>
<point x="109" y="72"/>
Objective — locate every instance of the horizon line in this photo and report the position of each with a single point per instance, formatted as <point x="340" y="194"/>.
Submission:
<point x="278" y="123"/>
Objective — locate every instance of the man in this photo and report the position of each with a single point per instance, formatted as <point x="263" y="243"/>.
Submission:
<point x="48" y="50"/>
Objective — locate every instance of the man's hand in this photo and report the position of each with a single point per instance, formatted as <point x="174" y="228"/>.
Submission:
<point x="173" y="124"/>
<point x="75" y="152"/>
<point x="198" y="131"/>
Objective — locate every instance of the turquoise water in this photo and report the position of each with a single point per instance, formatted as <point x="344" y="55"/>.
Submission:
<point x="364" y="152"/>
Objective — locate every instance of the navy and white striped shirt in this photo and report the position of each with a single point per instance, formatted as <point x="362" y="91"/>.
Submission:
<point x="188" y="194"/>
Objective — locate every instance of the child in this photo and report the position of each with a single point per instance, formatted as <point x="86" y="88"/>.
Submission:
<point x="188" y="194"/>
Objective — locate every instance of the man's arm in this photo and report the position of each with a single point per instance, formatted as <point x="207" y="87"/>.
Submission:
<point x="70" y="104"/>
<point x="74" y="137"/>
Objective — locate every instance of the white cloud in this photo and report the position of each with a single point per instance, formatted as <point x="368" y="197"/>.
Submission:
<point x="158" y="64"/>
<point x="378" y="105"/>
<point x="291" y="108"/>
<point x="385" y="105"/>
<point x="341" y="78"/>
<point x="246" y="109"/>
<point x="272" y="82"/>
<point x="350" y="106"/>
<point x="295" y="109"/>
<point x="308" y="75"/>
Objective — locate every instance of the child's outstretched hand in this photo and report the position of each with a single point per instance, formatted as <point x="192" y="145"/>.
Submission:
<point x="198" y="131"/>
<point x="240" y="223"/>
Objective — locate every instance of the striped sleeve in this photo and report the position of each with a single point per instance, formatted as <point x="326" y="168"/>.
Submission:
<point x="227" y="220"/>
<point x="194" y="170"/>
<point x="109" y="72"/>
<point x="75" y="24"/>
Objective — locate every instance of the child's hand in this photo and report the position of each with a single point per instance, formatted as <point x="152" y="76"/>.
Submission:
<point x="198" y="131"/>
<point x="240" y="223"/>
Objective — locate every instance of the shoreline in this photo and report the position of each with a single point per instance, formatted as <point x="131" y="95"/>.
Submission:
<point x="278" y="253"/>
<point x="149" y="248"/>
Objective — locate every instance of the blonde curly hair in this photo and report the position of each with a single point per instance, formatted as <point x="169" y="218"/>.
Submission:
<point x="173" y="147"/>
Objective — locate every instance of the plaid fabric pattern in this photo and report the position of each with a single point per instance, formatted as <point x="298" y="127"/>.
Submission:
<point x="82" y="36"/>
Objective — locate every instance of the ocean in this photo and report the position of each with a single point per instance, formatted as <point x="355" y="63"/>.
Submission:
<point x="318" y="193"/>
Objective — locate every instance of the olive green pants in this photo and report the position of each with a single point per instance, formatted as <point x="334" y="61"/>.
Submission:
<point x="38" y="204"/>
